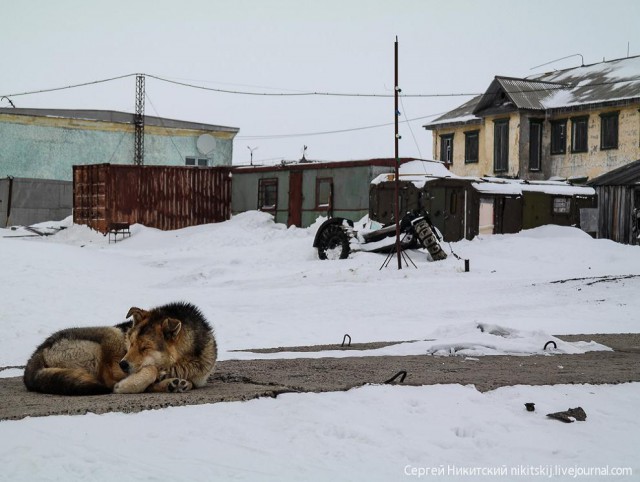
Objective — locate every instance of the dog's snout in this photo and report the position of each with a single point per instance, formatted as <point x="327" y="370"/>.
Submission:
<point x="124" y="365"/>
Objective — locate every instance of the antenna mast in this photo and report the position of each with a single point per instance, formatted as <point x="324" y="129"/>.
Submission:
<point x="138" y="122"/>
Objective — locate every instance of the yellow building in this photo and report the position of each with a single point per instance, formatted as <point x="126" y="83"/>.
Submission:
<point x="573" y="123"/>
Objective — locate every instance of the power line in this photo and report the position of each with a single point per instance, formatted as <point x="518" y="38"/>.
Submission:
<point x="300" y="93"/>
<point x="339" y="131"/>
<point x="42" y="91"/>
<point x="559" y="86"/>
<point x="410" y="129"/>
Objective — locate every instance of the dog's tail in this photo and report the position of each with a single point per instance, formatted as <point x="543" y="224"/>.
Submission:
<point x="60" y="381"/>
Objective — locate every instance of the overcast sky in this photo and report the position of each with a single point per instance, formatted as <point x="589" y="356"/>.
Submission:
<point x="346" y="46"/>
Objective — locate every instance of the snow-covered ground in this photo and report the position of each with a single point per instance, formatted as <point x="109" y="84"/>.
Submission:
<point x="261" y="285"/>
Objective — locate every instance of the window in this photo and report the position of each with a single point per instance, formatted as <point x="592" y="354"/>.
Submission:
<point x="561" y="205"/>
<point x="324" y="193"/>
<point x="446" y="148"/>
<point x="268" y="195"/>
<point x="535" y="144"/>
<point x="196" y="161"/>
<point x="559" y="136"/>
<point x="471" y="146"/>
<point x="609" y="130"/>
<point x="579" y="130"/>
<point x="501" y="145"/>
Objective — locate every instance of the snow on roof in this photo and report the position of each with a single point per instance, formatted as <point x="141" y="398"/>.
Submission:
<point x="491" y="185"/>
<point x="410" y="172"/>
<point x="602" y="82"/>
<point x="418" y="172"/>
<point x="609" y="81"/>
<point x="461" y="114"/>
<point x="422" y="168"/>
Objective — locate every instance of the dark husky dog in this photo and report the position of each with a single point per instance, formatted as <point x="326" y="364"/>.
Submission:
<point x="167" y="349"/>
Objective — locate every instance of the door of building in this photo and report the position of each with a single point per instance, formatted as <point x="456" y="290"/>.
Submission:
<point x="295" y="199"/>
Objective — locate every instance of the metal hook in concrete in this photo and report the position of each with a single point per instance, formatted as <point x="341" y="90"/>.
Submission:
<point x="402" y="374"/>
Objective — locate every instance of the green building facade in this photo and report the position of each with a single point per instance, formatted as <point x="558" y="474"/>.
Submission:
<point x="46" y="143"/>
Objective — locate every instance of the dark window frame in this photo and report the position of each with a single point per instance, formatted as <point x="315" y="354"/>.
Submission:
<point x="320" y="205"/>
<point x="268" y="186"/>
<point x="580" y="136"/>
<point x="193" y="161"/>
<point x="535" y="149"/>
<point x="471" y="147"/>
<point x="501" y="145"/>
<point x="609" y="132"/>
<point x="558" y="137"/>
<point x="443" y="143"/>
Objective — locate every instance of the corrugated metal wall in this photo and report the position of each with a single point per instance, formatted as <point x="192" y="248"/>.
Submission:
<point x="615" y="206"/>
<point x="162" y="197"/>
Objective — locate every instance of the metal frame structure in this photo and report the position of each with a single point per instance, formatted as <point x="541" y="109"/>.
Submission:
<point x="138" y="122"/>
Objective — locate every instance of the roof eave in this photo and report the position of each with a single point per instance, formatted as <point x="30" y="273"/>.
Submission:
<point x="446" y="125"/>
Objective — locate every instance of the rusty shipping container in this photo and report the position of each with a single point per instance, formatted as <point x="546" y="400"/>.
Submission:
<point x="163" y="197"/>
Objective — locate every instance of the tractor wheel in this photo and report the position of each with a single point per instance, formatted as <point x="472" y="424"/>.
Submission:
<point x="429" y="240"/>
<point x="333" y="243"/>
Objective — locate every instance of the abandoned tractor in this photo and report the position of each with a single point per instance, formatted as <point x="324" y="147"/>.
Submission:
<point x="337" y="237"/>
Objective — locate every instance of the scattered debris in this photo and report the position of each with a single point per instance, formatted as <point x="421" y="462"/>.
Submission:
<point x="530" y="406"/>
<point x="570" y="415"/>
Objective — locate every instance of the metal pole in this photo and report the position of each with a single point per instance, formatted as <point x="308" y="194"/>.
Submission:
<point x="396" y="207"/>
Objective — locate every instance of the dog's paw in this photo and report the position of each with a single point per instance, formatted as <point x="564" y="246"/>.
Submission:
<point x="179" y="385"/>
<point x="122" y="388"/>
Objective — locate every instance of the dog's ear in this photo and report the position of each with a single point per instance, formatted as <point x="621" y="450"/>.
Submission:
<point x="137" y="314"/>
<point x="171" y="327"/>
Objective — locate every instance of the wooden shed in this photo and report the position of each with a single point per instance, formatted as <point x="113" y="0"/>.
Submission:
<point x="619" y="204"/>
<point x="161" y="197"/>
<point x="464" y="207"/>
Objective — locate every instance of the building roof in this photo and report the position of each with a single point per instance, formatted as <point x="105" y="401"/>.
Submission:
<point x="602" y="83"/>
<point x="522" y="93"/>
<point x="459" y="115"/>
<point x="115" y="117"/>
<point x="596" y="83"/>
<point x="304" y="165"/>
<point x="623" y="176"/>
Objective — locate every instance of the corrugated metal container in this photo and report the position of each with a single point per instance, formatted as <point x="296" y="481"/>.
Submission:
<point x="162" y="197"/>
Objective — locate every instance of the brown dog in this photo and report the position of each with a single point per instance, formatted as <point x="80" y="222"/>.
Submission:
<point x="169" y="348"/>
<point x="172" y="345"/>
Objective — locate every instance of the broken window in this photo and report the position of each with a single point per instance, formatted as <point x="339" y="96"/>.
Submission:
<point x="268" y="195"/>
<point x="324" y="192"/>
<point x="446" y="149"/>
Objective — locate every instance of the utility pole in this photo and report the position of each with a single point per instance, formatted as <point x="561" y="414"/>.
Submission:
<point x="138" y="122"/>
<point x="396" y="112"/>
